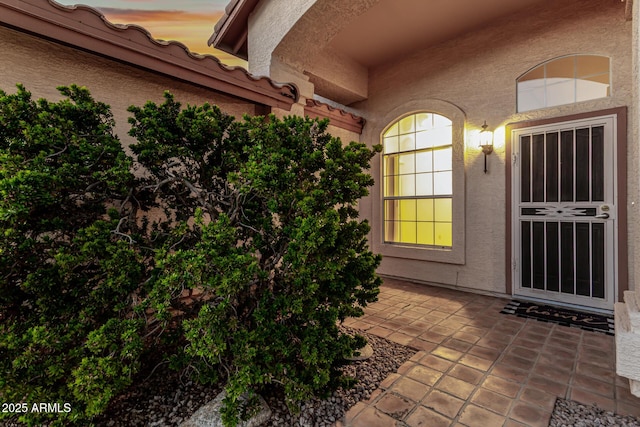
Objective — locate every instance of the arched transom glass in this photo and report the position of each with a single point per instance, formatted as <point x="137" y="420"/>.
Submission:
<point x="418" y="180"/>
<point x="564" y="80"/>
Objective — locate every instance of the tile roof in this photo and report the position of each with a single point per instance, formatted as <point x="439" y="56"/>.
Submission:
<point x="85" y="28"/>
<point x="338" y="117"/>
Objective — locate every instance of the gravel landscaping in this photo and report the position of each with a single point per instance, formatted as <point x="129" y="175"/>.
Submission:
<point x="166" y="399"/>
<point x="568" y="413"/>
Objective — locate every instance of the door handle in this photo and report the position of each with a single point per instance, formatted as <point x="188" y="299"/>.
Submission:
<point x="602" y="216"/>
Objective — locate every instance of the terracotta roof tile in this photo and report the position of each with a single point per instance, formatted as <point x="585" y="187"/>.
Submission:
<point x="88" y="29"/>
<point x="337" y="116"/>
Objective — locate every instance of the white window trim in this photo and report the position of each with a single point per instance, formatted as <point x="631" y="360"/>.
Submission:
<point x="455" y="254"/>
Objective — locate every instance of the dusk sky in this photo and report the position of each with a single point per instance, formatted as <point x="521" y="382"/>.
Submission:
<point x="188" y="21"/>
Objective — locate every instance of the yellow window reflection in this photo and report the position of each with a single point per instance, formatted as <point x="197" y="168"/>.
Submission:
<point x="418" y="181"/>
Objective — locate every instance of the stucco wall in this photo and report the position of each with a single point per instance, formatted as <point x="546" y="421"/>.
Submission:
<point x="477" y="73"/>
<point x="42" y="66"/>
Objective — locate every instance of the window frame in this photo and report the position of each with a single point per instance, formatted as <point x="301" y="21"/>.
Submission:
<point x="574" y="79"/>
<point x="451" y="255"/>
<point x="396" y="178"/>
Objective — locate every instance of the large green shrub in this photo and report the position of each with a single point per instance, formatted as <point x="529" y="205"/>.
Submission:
<point x="67" y="334"/>
<point x="276" y="245"/>
<point x="238" y="250"/>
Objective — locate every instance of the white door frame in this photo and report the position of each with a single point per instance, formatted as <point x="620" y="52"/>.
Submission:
<point x="562" y="212"/>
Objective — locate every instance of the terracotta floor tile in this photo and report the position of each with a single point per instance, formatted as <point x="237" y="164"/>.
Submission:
<point x="406" y="367"/>
<point x="599" y="357"/>
<point x="380" y="331"/>
<point x="502" y="386"/>
<point x="371" y="417"/>
<point x="476" y="362"/>
<point x="560" y="363"/>
<point x="373" y="396"/>
<point x="512" y="423"/>
<point x="496" y="337"/>
<point x="529" y="353"/>
<point x="400" y="338"/>
<point x="421" y="323"/>
<point x="443" y="403"/>
<point x="485" y="353"/>
<point x="405" y="320"/>
<point x="354" y="411"/>
<point x="534" y="344"/>
<point x="552" y="372"/>
<point x="388" y="382"/>
<point x="447" y="353"/>
<point x="438" y="314"/>
<point x="467" y="374"/>
<point x="492" y="401"/>
<point x="589" y="398"/>
<point x="433" y="337"/>
<point x="425" y="417"/>
<point x="474" y="416"/>
<point x="530" y="415"/>
<point x="452" y="324"/>
<point x="390" y="324"/>
<point x="409" y="388"/>
<point x="545" y="384"/>
<point x="540" y="398"/>
<point x="571" y="344"/>
<point x="466" y="337"/>
<point x="414" y="331"/>
<point x="509" y="372"/>
<point x="598" y="340"/>
<point x="482" y="321"/>
<point x="424" y="375"/>
<point x="415" y="313"/>
<point x="395" y="406"/>
<point x="605" y="389"/>
<point x="565" y="334"/>
<point x="443" y="330"/>
<point x="455" y="387"/>
<point x="362" y="325"/>
<point x="597" y="372"/>
<point x="625" y="408"/>
<point x="474" y="330"/>
<point x="528" y="334"/>
<point x="436" y="363"/>
<point x="421" y="344"/>
<point x="492" y="344"/>
<point x="455" y="344"/>
<point x="623" y="394"/>
<point x="518" y="362"/>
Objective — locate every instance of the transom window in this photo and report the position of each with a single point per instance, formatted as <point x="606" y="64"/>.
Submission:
<point x="418" y="180"/>
<point x="564" y="80"/>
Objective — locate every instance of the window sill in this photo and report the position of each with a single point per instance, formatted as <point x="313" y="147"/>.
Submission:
<point x="421" y="253"/>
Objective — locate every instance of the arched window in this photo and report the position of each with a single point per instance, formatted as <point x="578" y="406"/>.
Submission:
<point x="564" y="80"/>
<point x="418" y="180"/>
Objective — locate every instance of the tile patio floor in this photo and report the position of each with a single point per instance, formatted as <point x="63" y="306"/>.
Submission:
<point x="477" y="367"/>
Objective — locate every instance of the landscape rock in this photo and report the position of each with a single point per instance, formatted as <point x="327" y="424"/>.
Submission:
<point x="209" y="415"/>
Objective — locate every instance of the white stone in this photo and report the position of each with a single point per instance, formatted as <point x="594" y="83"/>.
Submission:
<point x="209" y="415"/>
<point x="363" y="353"/>
<point x="627" y="347"/>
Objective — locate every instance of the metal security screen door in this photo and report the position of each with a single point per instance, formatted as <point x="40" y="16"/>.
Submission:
<point x="564" y="211"/>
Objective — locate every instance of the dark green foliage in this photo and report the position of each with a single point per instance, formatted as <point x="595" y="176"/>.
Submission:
<point x="65" y="278"/>
<point x="276" y="245"/>
<point x="238" y="252"/>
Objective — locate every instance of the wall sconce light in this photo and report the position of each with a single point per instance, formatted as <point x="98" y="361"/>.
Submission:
<point x="486" y="143"/>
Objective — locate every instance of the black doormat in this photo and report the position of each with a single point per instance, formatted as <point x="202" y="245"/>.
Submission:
<point x="562" y="316"/>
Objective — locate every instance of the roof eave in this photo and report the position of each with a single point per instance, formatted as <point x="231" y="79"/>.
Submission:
<point x="85" y="28"/>
<point x="231" y="31"/>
